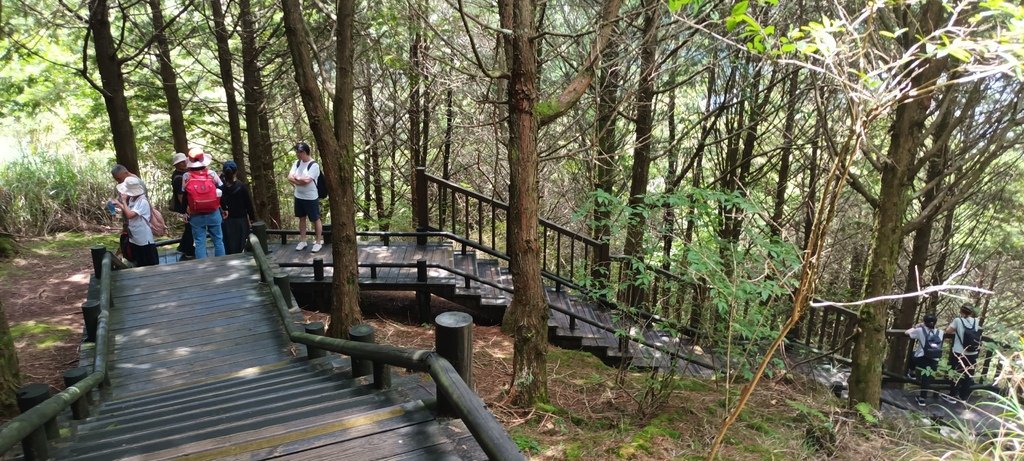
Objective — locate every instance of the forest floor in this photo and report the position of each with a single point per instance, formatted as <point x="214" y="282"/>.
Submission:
<point x="596" y="412"/>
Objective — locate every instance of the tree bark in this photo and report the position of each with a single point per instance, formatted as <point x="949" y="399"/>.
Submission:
<point x="640" y="173"/>
<point x="414" y="115"/>
<point x="112" y="77"/>
<point x="265" y="197"/>
<point x="337" y="156"/>
<point x="907" y="313"/>
<point x="9" y="377"/>
<point x="788" y="134"/>
<point x="527" y="316"/>
<point x="169" y="80"/>
<point x="865" y="382"/>
<point x="227" y="78"/>
<point x="608" y="87"/>
<point x="376" y="182"/>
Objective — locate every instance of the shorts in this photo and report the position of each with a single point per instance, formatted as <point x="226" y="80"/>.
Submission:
<point x="307" y="208"/>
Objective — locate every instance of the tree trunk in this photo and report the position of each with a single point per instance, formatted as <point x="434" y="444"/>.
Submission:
<point x="376" y="183"/>
<point x="169" y="80"/>
<point x="9" y="378"/>
<point x="336" y="154"/>
<point x="865" y="382"/>
<point x="264" y="187"/>
<point x="527" y="316"/>
<point x="640" y="173"/>
<point x="907" y="314"/>
<point x="227" y="78"/>
<point x="604" y="162"/>
<point x="414" y="115"/>
<point x="109" y="66"/>
<point x="788" y="134"/>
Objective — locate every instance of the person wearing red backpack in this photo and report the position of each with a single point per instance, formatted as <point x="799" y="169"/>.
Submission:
<point x="202" y="189"/>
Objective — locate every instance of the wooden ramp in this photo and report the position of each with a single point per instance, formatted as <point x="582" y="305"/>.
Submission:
<point x="202" y="369"/>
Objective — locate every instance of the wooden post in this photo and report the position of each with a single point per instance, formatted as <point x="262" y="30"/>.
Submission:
<point x="80" y="407"/>
<point x="97" y="253"/>
<point x="422" y="295"/>
<point x="453" y="340"/>
<point x="315" y="328"/>
<point x="36" y="446"/>
<point x="381" y="371"/>
<point x="318" y="269"/>
<point x="91" y="317"/>
<point x="362" y="333"/>
<point x="420" y="204"/>
<point x="283" y="283"/>
<point x="260" y="229"/>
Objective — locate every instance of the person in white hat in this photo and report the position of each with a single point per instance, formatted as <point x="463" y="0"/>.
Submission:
<point x="179" y="204"/>
<point x="204" y="211"/>
<point x="136" y="209"/>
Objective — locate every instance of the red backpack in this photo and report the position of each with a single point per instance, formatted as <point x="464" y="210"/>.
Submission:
<point x="202" y="193"/>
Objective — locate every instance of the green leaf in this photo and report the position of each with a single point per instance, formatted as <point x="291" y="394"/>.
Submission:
<point x="740" y="8"/>
<point x="675" y="5"/>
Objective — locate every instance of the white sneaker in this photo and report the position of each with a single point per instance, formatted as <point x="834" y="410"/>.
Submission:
<point x="301" y="246"/>
<point x="316" y="247"/>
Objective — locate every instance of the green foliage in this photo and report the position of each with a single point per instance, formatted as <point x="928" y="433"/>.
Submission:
<point x="526" y="443"/>
<point x="43" y="193"/>
<point x="641" y="442"/>
<point x="867" y="412"/>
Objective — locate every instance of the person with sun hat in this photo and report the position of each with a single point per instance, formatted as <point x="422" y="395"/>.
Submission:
<point x="202" y="187"/>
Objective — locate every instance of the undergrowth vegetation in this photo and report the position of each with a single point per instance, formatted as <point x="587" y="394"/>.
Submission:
<point x="41" y="194"/>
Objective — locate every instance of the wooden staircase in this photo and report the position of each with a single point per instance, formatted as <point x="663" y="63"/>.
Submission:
<point x="202" y="369"/>
<point x="292" y="410"/>
<point x="489" y="304"/>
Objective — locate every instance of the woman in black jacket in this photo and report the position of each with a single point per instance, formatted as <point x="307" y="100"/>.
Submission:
<point x="238" y="204"/>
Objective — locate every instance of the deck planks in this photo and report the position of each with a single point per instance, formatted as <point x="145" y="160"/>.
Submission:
<point x="182" y="322"/>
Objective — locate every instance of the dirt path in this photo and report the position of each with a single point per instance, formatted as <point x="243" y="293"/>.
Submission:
<point x="43" y="291"/>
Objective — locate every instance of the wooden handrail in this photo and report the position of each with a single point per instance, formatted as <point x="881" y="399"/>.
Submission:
<point x="487" y="431"/>
<point x="23" y="425"/>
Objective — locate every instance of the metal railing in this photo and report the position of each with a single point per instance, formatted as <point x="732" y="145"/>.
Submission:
<point x="30" y="425"/>
<point x="452" y="391"/>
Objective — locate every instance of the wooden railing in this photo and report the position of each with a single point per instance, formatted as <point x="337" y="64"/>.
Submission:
<point x="452" y="391"/>
<point x="574" y="318"/>
<point x="36" y="427"/>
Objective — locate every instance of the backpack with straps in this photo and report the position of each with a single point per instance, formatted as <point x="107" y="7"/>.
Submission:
<point x="156" y="222"/>
<point x="931" y="343"/>
<point x="202" y="193"/>
<point x="321" y="181"/>
<point x="972" y="338"/>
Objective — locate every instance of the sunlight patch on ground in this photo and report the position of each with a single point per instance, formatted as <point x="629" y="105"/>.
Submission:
<point x="40" y="335"/>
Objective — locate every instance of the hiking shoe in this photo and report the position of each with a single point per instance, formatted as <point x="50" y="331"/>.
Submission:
<point x="948" y="398"/>
<point x="920" y="401"/>
<point x="301" y="246"/>
<point x="316" y="247"/>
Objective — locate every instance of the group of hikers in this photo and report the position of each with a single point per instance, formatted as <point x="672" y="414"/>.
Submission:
<point x="966" y="333"/>
<point x="212" y="204"/>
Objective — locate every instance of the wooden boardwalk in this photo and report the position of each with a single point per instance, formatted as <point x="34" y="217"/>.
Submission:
<point x="183" y="323"/>
<point x="202" y="368"/>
